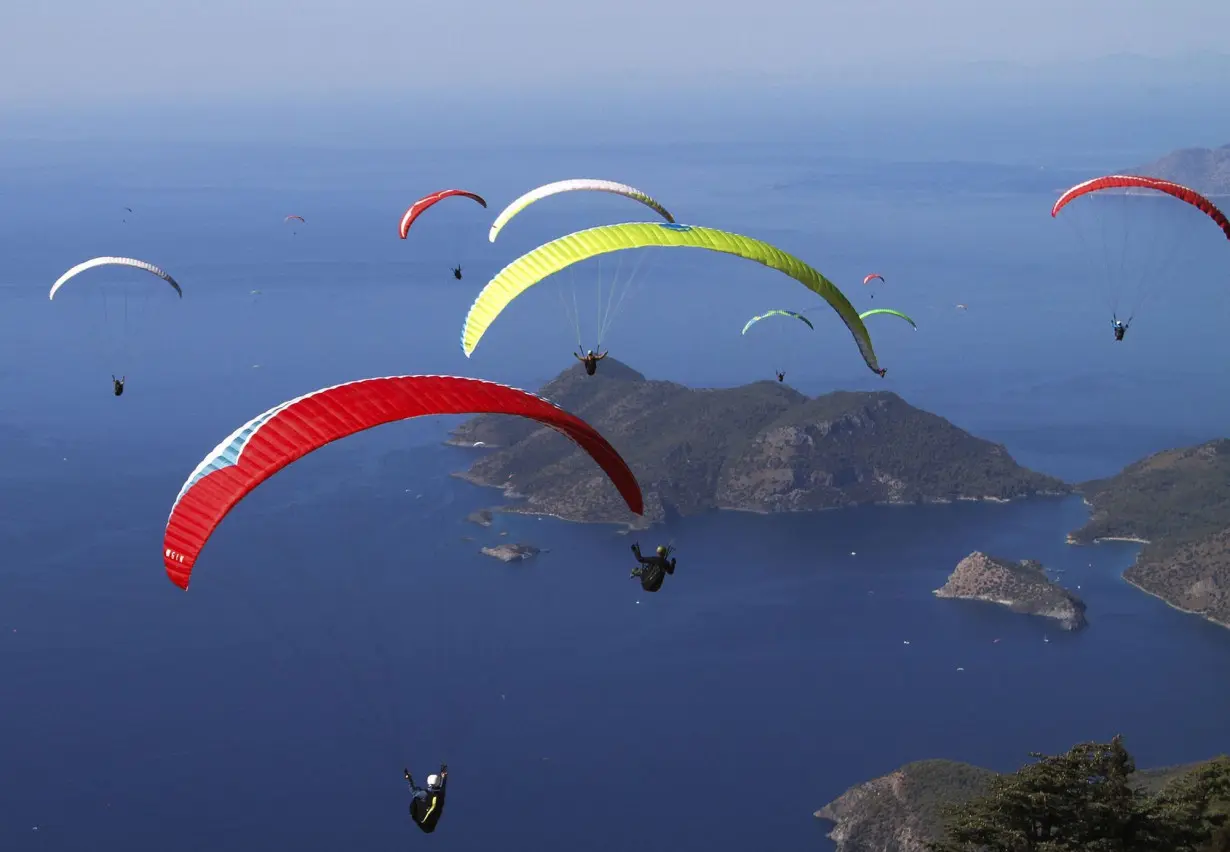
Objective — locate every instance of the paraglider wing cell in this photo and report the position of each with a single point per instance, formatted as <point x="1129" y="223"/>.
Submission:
<point x="416" y="209"/>
<point x="571" y="186"/>
<point x="287" y="432"/>
<point x="1170" y="188"/>
<point x="113" y="261"/>
<point x="546" y="260"/>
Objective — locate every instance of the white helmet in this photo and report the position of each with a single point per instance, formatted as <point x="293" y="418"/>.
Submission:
<point x="433" y="780"/>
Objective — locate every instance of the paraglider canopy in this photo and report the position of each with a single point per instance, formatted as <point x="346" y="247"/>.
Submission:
<point x="777" y="313"/>
<point x="113" y="261"/>
<point x="1129" y="182"/>
<point x="546" y="260"/>
<point x="416" y="209"/>
<point x="1134" y="232"/>
<point x="285" y="433"/>
<point x="890" y="312"/>
<point x="574" y="185"/>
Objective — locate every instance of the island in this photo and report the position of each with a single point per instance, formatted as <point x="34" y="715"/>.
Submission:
<point x="762" y="447"/>
<point x="904" y="810"/>
<point x="1021" y="586"/>
<point x="482" y="517"/>
<point x="1176" y="503"/>
<point x="1206" y="170"/>
<point x="511" y="552"/>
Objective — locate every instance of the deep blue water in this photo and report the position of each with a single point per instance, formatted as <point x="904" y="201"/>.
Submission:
<point x="343" y="626"/>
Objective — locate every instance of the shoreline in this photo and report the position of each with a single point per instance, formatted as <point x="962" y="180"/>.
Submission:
<point x="1173" y="606"/>
<point x="508" y="493"/>
<point x="1072" y="539"/>
<point x="626" y="527"/>
<point x="541" y="513"/>
<point x="1123" y="576"/>
<point x="528" y="511"/>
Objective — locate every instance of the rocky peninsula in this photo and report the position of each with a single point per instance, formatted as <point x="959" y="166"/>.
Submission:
<point x="903" y="810"/>
<point x="1021" y="586"/>
<point x="1177" y="503"/>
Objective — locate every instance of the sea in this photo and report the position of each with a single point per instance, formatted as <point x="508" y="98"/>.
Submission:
<point x="342" y="623"/>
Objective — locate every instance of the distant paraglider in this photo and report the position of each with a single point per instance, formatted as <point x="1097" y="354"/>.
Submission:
<point x="294" y="218"/>
<point x="781" y="374"/>
<point x="115" y="261"/>
<point x="867" y="279"/>
<point x="427" y="201"/>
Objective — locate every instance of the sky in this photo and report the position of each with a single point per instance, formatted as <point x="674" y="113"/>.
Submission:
<point x="76" y="51"/>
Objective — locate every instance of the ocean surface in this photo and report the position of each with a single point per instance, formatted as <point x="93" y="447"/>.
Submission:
<point x="342" y="623"/>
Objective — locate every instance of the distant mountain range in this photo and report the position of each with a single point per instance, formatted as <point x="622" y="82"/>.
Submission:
<point x="1206" y="170"/>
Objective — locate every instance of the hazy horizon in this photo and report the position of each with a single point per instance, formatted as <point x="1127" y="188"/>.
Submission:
<point x="133" y="49"/>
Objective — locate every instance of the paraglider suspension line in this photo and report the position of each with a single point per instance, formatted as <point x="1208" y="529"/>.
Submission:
<point x="572" y="314"/>
<point x="633" y="280"/>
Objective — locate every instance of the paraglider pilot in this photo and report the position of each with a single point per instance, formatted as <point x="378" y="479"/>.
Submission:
<point x="653" y="569"/>
<point x="457" y="272"/>
<point x="426" y="804"/>
<point x="781" y="377"/>
<point x="119" y="384"/>
<point x="590" y="360"/>
<point x="1120" y="328"/>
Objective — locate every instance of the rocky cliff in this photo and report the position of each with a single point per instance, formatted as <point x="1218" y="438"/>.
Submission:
<point x="1021" y="586"/>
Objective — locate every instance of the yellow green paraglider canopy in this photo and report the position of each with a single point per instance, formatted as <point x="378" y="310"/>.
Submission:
<point x="888" y="311"/>
<point x="544" y="261"/>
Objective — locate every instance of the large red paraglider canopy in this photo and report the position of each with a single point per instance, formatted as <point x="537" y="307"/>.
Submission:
<point x="288" y="432"/>
<point x="1176" y="190"/>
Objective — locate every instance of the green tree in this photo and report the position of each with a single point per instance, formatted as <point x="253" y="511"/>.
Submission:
<point x="1196" y="806"/>
<point x="1087" y="801"/>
